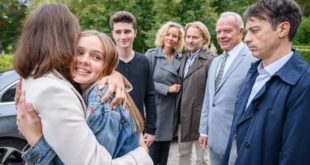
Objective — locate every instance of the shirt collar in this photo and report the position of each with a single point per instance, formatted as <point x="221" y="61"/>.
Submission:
<point x="236" y="50"/>
<point x="272" y="68"/>
<point x="194" y="54"/>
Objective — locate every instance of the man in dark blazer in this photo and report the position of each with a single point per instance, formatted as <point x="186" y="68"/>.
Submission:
<point x="194" y="67"/>
<point x="219" y="99"/>
<point x="271" y="122"/>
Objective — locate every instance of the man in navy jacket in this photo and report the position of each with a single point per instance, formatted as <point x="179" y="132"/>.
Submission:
<point x="271" y="122"/>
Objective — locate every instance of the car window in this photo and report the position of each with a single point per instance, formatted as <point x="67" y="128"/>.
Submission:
<point x="8" y="95"/>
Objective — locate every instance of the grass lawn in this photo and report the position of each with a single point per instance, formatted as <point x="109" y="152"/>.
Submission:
<point x="6" y="62"/>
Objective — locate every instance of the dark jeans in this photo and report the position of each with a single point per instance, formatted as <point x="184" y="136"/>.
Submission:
<point x="159" y="152"/>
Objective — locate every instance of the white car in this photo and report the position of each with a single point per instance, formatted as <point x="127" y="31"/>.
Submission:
<point x="11" y="142"/>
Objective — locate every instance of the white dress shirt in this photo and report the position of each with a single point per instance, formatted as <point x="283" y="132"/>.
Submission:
<point x="265" y="73"/>
<point x="232" y="54"/>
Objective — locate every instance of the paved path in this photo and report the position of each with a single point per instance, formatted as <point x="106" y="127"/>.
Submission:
<point x="174" y="153"/>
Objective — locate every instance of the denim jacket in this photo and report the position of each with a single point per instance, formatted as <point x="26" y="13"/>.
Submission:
<point x="112" y="128"/>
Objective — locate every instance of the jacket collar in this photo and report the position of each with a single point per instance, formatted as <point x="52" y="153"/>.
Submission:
<point x="56" y="75"/>
<point x="159" y="52"/>
<point x="291" y="71"/>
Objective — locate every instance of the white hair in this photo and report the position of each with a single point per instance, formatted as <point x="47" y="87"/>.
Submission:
<point x="239" y="21"/>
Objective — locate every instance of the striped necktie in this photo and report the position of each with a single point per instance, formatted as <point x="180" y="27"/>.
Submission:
<point x="221" y="70"/>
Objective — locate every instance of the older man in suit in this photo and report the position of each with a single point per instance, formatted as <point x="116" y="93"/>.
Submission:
<point x="226" y="74"/>
<point x="193" y="70"/>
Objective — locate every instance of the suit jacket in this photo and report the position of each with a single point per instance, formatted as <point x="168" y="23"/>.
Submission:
<point x="63" y="113"/>
<point x="274" y="129"/>
<point x="219" y="105"/>
<point x="165" y="75"/>
<point x="189" y="101"/>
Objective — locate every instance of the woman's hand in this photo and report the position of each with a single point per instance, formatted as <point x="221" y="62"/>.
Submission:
<point x="18" y="91"/>
<point x="142" y="143"/>
<point x="116" y="84"/>
<point x="175" y="88"/>
<point x="28" y="121"/>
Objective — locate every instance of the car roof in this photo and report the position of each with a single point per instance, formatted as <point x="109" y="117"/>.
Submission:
<point x="7" y="78"/>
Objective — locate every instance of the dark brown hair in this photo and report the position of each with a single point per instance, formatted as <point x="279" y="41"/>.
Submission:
<point x="48" y="42"/>
<point x="276" y="12"/>
<point x="123" y="17"/>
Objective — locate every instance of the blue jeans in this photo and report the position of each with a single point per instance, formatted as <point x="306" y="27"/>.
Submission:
<point x="112" y="128"/>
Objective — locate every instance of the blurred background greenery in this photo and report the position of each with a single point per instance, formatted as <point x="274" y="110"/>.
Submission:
<point x="150" y="14"/>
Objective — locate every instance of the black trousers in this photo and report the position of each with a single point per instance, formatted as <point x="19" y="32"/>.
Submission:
<point x="159" y="152"/>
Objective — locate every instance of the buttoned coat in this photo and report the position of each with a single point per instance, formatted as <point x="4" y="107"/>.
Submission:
<point x="274" y="129"/>
<point x="190" y="100"/>
<point x="165" y="75"/>
<point x="219" y="104"/>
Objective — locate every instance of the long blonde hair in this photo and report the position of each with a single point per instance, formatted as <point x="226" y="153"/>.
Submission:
<point x="110" y="57"/>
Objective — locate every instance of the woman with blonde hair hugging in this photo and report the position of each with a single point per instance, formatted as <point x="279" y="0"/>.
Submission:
<point x="47" y="72"/>
<point x="117" y="130"/>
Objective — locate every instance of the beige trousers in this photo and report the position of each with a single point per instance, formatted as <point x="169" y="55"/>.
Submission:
<point x="187" y="152"/>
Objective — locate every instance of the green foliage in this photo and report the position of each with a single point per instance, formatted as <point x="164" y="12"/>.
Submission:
<point x="238" y="6"/>
<point x="183" y="12"/>
<point x="306" y="55"/>
<point x="305" y="7"/>
<point x="12" y="14"/>
<point x="304" y="51"/>
<point x="150" y="14"/>
<point x="6" y="62"/>
<point x="303" y="33"/>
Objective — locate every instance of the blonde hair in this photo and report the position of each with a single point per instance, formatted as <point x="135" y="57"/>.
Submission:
<point x="110" y="57"/>
<point x="161" y="33"/>
<point x="204" y="32"/>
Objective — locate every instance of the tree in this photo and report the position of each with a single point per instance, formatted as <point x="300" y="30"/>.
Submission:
<point x="238" y="6"/>
<point x="303" y="33"/>
<point x="183" y="12"/>
<point x="97" y="16"/>
<point x="11" y="17"/>
<point x="305" y="7"/>
<point x="151" y="14"/>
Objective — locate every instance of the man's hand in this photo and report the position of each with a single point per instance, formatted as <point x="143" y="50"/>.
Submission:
<point x="203" y="141"/>
<point x="116" y="86"/>
<point x="149" y="139"/>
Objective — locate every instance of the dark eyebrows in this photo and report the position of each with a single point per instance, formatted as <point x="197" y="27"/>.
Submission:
<point x="252" y="28"/>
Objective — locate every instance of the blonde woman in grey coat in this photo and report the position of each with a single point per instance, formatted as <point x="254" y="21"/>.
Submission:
<point x="165" y="62"/>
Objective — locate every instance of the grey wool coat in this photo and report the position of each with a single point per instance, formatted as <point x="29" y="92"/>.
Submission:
<point x="164" y="74"/>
